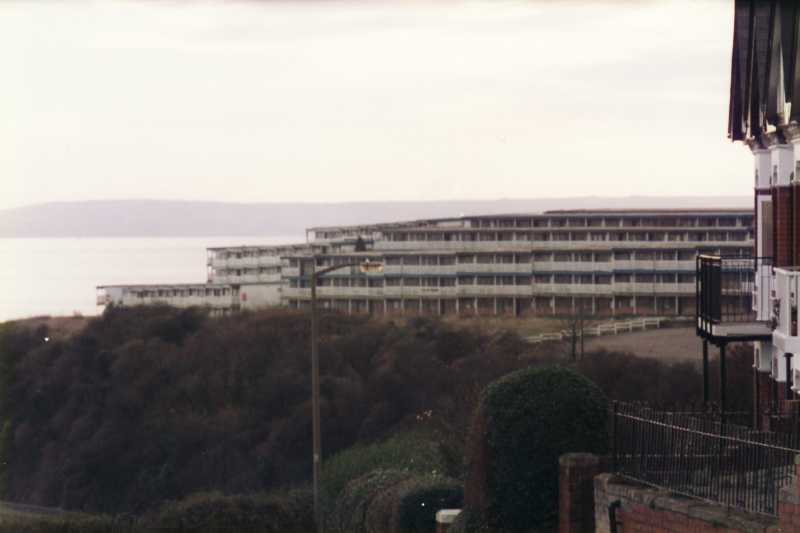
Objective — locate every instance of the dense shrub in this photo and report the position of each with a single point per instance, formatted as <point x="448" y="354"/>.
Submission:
<point x="393" y="501"/>
<point x="153" y="403"/>
<point x="285" y="511"/>
<point x="412" y="451"/>
<point x="72" y="523"/>
<point x="350" y="511"/>
<point x="524" y="422"/>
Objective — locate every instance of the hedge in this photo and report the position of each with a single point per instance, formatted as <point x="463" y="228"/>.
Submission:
<point x="411" y="451"/>
<point x="279" y="511"/>
<point x="67" y="523"/>
<point x="394" y="501"/>
<point x="523" y="423"/>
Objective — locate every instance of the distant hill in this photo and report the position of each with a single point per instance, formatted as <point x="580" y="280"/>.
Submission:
<point x="157" y="218"/>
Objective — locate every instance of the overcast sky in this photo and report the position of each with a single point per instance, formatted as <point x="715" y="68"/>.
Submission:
<point x="346" y="101"/>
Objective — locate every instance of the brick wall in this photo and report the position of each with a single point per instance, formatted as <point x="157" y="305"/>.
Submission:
<point x="782" y="225"/>
<point x="647" y="510"/>
<point x="642" y="509"/>
<point x="762" y="386"/>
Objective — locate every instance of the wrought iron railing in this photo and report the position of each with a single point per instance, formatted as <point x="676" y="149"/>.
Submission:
<point x="702" y="458"/>
<point x="726" y="288"/>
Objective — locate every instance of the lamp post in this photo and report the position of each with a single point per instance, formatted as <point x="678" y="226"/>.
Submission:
<point x="366" y="267"/>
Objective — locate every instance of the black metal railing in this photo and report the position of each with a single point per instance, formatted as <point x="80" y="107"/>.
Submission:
<point x="702" y="458"/>
<point x="726" y="287"/>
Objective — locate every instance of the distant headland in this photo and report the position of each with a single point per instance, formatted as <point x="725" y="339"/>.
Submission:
<point x="168" y="218"/>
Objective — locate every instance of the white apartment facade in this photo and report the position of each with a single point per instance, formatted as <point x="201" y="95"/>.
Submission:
<point x="603" y="262"/>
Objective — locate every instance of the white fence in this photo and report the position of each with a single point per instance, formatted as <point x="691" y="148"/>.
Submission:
<point x="612" y="328"/>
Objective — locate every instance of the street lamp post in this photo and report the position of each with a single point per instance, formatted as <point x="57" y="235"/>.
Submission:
<point x="365" y="267"/>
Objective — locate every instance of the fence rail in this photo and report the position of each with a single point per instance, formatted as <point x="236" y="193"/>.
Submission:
<point x="702" y="457"/>
<point x="611" y="328"/>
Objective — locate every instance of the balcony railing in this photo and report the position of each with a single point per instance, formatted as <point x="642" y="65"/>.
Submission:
<point x="733" y="295"/>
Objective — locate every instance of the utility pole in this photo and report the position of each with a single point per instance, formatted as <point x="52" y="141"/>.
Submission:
<point x="317" y="438"/>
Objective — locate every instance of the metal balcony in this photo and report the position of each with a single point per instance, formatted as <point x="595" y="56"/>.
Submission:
<point x="733" y="298"/>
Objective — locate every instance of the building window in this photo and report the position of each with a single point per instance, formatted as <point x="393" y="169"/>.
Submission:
<point x="602" y="257"/>
<point x="447" y="282"/>
<point x="485" y="259"/>
<point x="393" y="282"/>
<point x="562" y="278"/>
<point x="464" y="259"/>
<point x="485" y="280"/>
<point x="602" y="279"/>
<point x="411" y="282"/>
<point x="542" y="256"/>
<point x="447" y="260"/>
<point x="466" y="280"/>
<point x="411" y="260"/>
<point x="644" y="278"/>
<point x="541" y="278"/>
<point x="622" y="278"/>
<point x="562" y="257"/>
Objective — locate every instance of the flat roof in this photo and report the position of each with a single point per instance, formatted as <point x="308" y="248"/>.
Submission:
<point x="167" y="286"/>
<point x="704" y="211"/>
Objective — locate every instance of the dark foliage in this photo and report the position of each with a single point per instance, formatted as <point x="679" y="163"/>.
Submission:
<point x="393" y="501"/>
<point x="279" y="512"/>
<point x="152" y="404"/>
<point x="532" y="416"/>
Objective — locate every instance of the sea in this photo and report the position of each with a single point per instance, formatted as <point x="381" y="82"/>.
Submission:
<point x="58" y="277"/>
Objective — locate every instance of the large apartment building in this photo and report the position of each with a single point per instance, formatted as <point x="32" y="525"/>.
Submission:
<point x="603" y="262"/>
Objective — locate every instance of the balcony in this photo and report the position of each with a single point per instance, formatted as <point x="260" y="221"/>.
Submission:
<point x="785" y="310"/>
<point x="733" y="295"/>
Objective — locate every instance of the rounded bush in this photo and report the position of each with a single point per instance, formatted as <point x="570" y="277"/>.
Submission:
<point x="273" y="512"/>
<point x="350" y="512"/>
<point x="523" y="423"/>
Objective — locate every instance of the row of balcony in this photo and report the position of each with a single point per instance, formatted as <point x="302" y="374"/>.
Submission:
<point x="244" y="262"/>
<point x="246" y="278"/>
<point x="555" y="289"/>
<point x="523" y="246"/>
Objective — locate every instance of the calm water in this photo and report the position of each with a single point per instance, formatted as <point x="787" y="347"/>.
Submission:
<point x="58" y="276"/>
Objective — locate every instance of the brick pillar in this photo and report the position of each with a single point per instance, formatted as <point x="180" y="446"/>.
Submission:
<point x="763" y="389"/>
<point x="782" y="225"/>
<point x="576" y="492"/>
